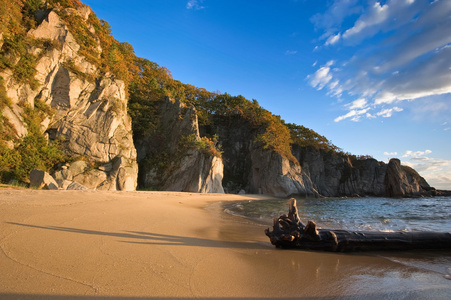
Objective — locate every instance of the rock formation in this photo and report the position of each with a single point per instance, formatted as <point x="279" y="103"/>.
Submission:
<point x="40" y="179"/>
<point x="170" y="160"/>
<point x="333" y="174"/>
<point x="90" y="115"/>
<point x="402" y="181"/>
<point x="337" y="175"/>
<point x="250" y="168"/>
<point x="276" y="175"/>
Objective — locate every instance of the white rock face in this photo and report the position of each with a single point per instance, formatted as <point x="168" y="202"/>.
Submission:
<point x="196" y="171"/>
<point x="275" y="175"/>
<point x="90" y="116"/>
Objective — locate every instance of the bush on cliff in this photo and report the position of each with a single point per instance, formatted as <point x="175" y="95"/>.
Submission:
<point x="33" y="151"/>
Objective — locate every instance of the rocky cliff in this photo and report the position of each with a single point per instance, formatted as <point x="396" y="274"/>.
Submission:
<point x="250" y="168"/>
<point x="60" y="86"/>
<point x="89" y="111"/>
<point x="334" y="174"/>
<point x="174" y="157"/>
<point x="402" y="181"/>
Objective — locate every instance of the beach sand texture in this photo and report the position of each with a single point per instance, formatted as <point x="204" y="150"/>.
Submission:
<point x="124" y="245"/>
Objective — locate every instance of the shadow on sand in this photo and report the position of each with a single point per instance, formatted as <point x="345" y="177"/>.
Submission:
<point x="136" y="237"/>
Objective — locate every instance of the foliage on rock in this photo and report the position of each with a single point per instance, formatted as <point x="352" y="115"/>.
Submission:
<point x="305" y="137"/>
<point x="33" y="151"/>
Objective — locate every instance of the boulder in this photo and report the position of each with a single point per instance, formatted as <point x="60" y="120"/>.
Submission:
<point x="76" y="186"/>
<point x="120" y="174"/>
<point x="91" y="179"/>
<point x="42" y="180"/>
<point x="76" y="168"/>
<point x="124" y="174"/>
<point x="64" y="184"/>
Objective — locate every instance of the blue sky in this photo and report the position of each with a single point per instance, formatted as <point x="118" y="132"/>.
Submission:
<point x="374" y="77"/>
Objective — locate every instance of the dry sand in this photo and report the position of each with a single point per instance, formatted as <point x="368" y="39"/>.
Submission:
<point x="122" y="245"/>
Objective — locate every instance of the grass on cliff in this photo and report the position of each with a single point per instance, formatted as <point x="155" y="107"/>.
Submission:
<point x="33" y="151"/>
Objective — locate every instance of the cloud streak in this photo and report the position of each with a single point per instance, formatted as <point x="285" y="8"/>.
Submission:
<point x="437" y="172"/>
<point x="195" y="4"/>
<point x="399" y="50"/>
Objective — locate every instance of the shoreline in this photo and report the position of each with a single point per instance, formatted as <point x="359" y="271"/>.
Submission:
<point x="92" y="244"/>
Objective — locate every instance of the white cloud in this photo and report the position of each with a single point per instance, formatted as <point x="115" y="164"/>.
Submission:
<point x="390" y="153"/>
<point x="321" y="77"/>
<point x="358" y="104"/>
<point x="416" y="154"/>
<point x="333" y="85"/>
<point x="354" y="115"/>
<point x="195" y="4"/>
<point x="333" y="39"/>
<point x="291" y="52"/>
<point x="376" y="15"/>
<point x="388" y="112"/>
<point x="331" y="20"/>
<point x="437" y="172"/>
<point x="403" y="53"/>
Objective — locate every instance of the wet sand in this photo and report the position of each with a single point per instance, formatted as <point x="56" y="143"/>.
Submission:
<point x="124" y="245"/>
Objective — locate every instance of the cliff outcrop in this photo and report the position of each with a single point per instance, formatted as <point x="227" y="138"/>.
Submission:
<point x="174" y="157"/>
<point x="319" y="172"/>
<point x="250" y="168"/>
<point x="334" y="174"/>
<point x="276" y="175"/>
<point x="403" y="181"/>
<point x="88" y="110"/>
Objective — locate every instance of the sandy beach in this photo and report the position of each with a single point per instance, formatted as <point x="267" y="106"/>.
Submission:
<point x="154" y="245"/>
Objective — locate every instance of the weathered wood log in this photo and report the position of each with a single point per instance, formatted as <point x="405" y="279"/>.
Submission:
<point x="289" y="232"/>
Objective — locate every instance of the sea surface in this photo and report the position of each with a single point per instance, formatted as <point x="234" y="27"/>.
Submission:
<point x="368" y="213"/>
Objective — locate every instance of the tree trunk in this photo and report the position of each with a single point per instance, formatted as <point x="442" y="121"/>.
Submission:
<point x="289" y="232"/>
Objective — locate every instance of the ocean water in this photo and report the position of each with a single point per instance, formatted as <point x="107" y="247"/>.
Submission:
<point x="368" y="213"/>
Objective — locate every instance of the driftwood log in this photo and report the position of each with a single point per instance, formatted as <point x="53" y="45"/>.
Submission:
<point x="290" y="232"/>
